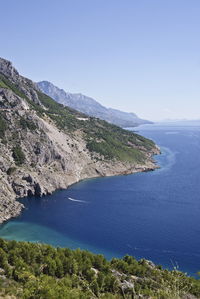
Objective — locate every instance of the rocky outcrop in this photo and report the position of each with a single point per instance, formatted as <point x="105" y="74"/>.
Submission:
<point x="25" y="85"/>
<point x="37" y="156"/>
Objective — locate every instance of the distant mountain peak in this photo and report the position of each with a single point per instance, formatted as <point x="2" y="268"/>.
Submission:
<point x="90" y="106"/>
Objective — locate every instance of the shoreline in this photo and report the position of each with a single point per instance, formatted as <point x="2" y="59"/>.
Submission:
<point x="12" y="208"/>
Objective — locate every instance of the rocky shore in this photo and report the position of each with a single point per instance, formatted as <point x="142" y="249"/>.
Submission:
<point x="44" y="181"/>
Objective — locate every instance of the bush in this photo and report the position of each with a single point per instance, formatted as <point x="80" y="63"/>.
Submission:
<point x="18" y="155"/>
<point x="2" y="127"/>
<point x="27" y="124"/>
<point x="11" y="170"/>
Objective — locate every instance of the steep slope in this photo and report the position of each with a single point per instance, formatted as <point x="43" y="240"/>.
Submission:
<point x="90" y="107"/>
<point x="45" y="146"/>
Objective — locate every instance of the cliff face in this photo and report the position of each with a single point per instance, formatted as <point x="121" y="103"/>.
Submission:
<point x="45" y="146"/>
<point x="90" y="106"/>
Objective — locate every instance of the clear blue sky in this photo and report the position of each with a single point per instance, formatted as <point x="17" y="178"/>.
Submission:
<point x="135" y="55"/>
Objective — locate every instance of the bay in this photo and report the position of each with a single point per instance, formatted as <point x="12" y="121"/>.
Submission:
<point x="153" y="215"/>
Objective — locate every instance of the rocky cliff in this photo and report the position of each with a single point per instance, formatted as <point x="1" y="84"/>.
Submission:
<point x="90" y="106"/>
<point x="45" y="146"/>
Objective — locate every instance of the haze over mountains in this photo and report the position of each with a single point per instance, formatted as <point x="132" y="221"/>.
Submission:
<point x="179" y="122"/>
<point x="90" y="106"/>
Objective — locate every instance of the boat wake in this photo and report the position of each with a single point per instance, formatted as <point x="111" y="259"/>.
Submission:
<point x="77" y="200"/>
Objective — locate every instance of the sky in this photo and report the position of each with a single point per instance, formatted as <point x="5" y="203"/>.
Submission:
<point x="139" y="56"/>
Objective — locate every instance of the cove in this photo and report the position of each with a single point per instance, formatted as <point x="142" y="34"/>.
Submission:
<point x="153" y="215"/>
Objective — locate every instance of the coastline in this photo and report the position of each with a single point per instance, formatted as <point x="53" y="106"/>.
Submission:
<point x="44" y="183"/>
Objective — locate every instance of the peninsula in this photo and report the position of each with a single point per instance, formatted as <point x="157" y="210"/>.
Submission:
<point x="46" y="146"/>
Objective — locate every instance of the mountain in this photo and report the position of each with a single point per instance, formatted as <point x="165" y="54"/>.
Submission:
<point x="46" y="146"/>
<point x="90" y="107"/>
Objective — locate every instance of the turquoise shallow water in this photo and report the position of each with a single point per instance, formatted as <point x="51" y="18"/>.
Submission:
<point x="154" y="215"/>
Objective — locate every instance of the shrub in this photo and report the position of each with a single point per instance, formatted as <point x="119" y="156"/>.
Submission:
<point x="18" y="155"/>
<point x="2" y="127"/>
<point x="11" y="170"/>
<point x="27" y="124"/>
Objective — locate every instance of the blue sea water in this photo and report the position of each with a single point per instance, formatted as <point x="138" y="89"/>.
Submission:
<point x="153" y="215"/>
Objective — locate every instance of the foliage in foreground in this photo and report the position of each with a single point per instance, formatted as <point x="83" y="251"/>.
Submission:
<point x="29" y="270"/>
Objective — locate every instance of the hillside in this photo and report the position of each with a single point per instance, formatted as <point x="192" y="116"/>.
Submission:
<point x="45" y="146"/>
<point x="90" y="106"/>
<point x="36" y="271"/>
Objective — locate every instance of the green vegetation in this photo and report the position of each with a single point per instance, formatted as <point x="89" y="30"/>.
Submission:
<point x="40" y="271"/>
<point x="2" y="127"/>
<point x="11" y="170"/>
<point x="27" y="124"/>
<point x="101" y="137"/>
<point x="18" y="155"/>
<point x="64" y="117"/>
<point x="113" y="142"/>
<point x="2" y="84"/>
<point x="12" y="86"/>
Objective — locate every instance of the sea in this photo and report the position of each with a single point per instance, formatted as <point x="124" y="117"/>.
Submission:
<point x="153" y="215"/>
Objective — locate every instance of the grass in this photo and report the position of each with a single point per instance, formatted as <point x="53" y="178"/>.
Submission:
<point x="2" y="84"/>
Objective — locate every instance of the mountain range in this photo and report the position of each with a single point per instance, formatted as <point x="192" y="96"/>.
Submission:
<point x="90" y="106"/>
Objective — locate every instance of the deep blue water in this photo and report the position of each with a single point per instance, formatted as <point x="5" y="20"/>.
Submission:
<point x="155" y="215"/>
